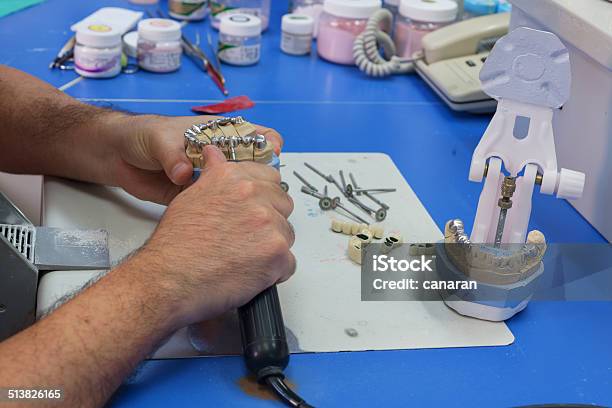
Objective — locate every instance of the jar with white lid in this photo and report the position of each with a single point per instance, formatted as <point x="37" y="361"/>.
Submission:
<point x="257" y="8"/>
<point x="188" y="10"/>
<point x="339" y="25"/>
<point x="159" y="45"/>
<point x="417" y="18"/>
<point x="97" y="52"/>
<point x="296" y="34"/>
<point x="239" y="39"/>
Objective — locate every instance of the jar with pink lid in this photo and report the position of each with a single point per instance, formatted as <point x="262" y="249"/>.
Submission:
<point x="339" y="24"/>
<point x="417" y="18"/>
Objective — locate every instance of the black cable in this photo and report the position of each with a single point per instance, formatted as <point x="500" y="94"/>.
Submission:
<point x="285" y="393"/>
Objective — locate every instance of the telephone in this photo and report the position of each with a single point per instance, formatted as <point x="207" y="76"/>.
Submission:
<point x="452" y="57"/>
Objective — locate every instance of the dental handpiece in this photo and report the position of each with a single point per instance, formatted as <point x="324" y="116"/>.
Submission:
<point x="262" y="329"/>
<point x="264" y="343"/>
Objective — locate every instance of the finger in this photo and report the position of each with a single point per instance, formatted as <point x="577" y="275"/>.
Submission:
<point x="272" y="136"/>
<point x="283" y="226"/>
<point x="213" y="156"/>
<point x="170" y="153"/>
<point x="261" y="171"/>
<point x="151" y="186"/>
<point x="290" y="268"/>
<point x="280" y="200"/>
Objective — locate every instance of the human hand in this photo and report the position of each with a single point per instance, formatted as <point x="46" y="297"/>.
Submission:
<point x="149" y="160"/>
<point x="221" y="241"/>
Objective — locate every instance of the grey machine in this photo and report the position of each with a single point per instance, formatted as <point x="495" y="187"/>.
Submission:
<point x="26" y="251"/>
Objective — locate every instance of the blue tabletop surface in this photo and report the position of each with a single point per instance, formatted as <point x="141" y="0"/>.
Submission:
<point x="562" y="351"/>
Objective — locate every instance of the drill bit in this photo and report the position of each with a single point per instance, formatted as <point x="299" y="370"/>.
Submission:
<point x="304" y="181"/>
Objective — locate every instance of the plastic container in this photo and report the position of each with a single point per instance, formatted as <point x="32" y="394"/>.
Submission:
<point x="503" y="6"/>
<point x="159" y="45"/>
<point x="97" y="53"/>
<point x="339" y="24"/>
<point x="189" y="10"/>
<point x="130" y="44"/>
<point x="476" y="8"/>
<point x="417" y="18"/>
<point x="296" y="36"/>
<point x="392" y="6"/>
<point x="239" y="39"/>
<point x="312" y="8"/>
<point x="258" y="8"/>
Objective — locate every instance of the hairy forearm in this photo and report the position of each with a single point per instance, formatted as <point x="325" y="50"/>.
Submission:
<point x="44" y="131"/>
<point x="87" y="346"/>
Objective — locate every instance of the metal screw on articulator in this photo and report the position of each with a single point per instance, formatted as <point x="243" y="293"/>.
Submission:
<point x="505" y="203"/>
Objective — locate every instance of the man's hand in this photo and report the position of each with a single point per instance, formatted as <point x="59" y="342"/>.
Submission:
<point x="149" y="160"/>
<point x="45" y="131"/>
<point x="222" y="240"/>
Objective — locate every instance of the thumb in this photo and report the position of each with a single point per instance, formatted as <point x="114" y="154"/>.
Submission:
<point x="212" y="156"/>
<point x="170" y="154"/>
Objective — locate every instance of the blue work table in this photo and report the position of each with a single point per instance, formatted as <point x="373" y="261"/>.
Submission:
<point x="562" y="351"/>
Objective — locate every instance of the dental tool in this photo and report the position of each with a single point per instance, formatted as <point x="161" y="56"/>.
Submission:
<point x="264" y="340"/>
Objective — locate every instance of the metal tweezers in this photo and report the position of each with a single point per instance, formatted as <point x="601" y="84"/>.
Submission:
<point x="195" y="52"/>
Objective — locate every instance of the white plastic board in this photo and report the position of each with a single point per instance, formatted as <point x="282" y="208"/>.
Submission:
<point x="322" y="300"/>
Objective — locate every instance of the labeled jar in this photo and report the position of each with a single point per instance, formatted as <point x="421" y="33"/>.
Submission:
<point x="189" y="10"/>
<point x="312" y="8"/>
<point x="239" y="39"/>
<point x="418" y="18"/>
<point x="339" y="25"/>
<point x="159" y="45"/>
<point x="257" y="8"/>
<point x="97" y="52"/>
<point x="296" y="34"/>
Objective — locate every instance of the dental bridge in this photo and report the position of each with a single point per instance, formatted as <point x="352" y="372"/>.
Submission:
<point x="264" y="341"/>
<point x="528" y="73"/>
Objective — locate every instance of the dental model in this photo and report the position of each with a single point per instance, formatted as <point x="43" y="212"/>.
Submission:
<point x="421" y="249"/>
<point x="391" y="242"/>
<point x="356" y="244"/>
<point x="505" y="265"/>
<point x="237" y="139"/>
<point x="528" y="72"/>
<point x="351" y="228"/>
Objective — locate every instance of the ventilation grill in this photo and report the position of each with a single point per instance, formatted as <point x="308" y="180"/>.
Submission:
<point x="21" y="237"/>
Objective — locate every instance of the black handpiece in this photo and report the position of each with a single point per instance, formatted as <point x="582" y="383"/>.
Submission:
<point x="264" y="344"/>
